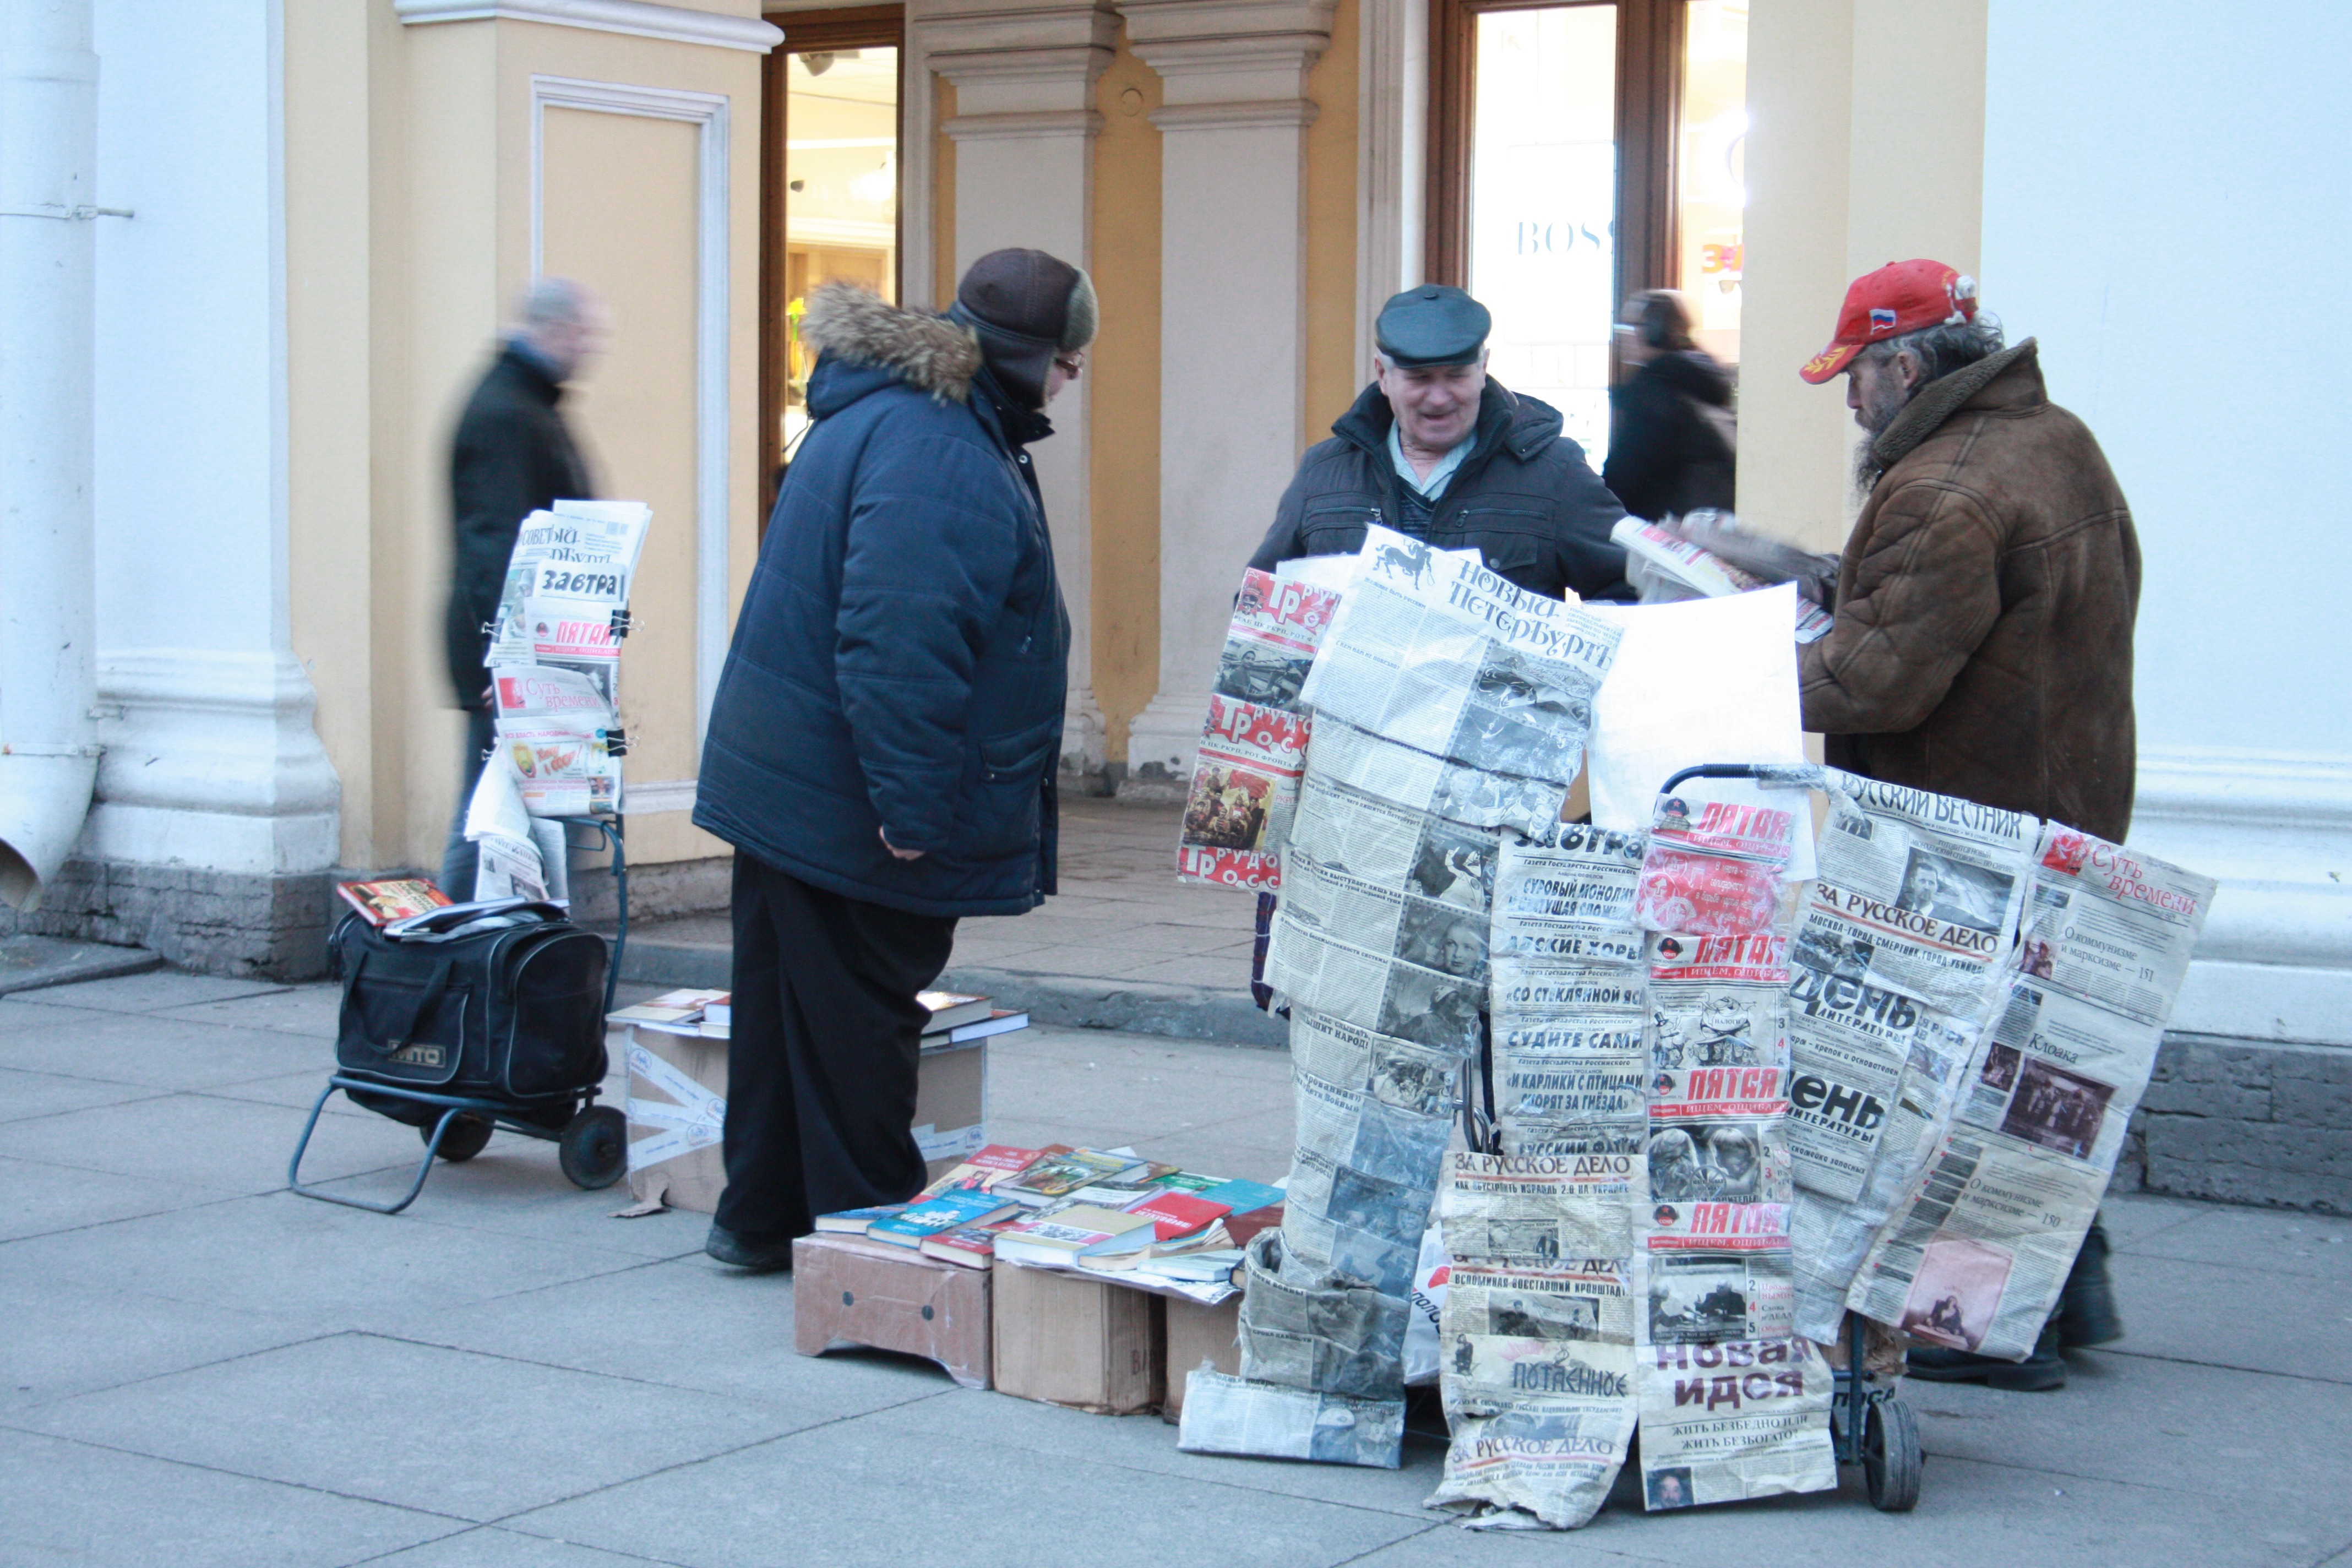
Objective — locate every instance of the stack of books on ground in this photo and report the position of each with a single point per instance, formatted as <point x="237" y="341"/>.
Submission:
<point x="959" y="1018"/>
<point x="1104" y="1212"/>
<point x="706" y="1013"/>
<point x="956" y="1018"/>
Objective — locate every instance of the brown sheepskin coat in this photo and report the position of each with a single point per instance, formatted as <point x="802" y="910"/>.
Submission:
<point x="1983" y="645"/>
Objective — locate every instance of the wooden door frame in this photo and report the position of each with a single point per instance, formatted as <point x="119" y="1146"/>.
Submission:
<point x="806" y="32"/>
<point x="1648" y="107"/>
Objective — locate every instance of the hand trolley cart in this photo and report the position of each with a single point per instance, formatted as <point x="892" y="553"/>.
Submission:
<point x="459" y="1032"/>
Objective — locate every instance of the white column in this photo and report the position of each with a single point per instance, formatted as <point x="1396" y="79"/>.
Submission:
<point x="1232" y="324"/>
<point x="212" y="763"/>
<point x="48" y="91"/>
<point x="1024" y="130"/>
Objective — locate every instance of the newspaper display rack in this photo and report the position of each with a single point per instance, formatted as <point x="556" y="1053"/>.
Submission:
<point x="1747" y="1102"/>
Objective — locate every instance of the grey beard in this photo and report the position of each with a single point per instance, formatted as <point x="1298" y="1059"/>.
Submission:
<point x="1866" y="470"/>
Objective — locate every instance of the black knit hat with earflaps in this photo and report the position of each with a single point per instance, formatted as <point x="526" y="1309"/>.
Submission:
<point x="1026" y="306"/>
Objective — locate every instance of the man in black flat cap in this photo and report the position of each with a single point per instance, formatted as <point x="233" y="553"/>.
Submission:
<point x="1436" y="449"/>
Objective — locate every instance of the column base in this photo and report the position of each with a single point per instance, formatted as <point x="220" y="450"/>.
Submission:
<point x="1086" y="746"/>
<point x="1161" y="745"/>
<point x="216" y="922"/>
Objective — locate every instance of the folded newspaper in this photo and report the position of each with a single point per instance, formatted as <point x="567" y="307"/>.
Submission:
<point x="1673" y="560"/>
<point x="1253" y="743"/>
<point x="1740" y="1418"/>
<point x="1975" y="1256"/>
<point x="1225" y="1414"/>
<point x="1439" y="654"/>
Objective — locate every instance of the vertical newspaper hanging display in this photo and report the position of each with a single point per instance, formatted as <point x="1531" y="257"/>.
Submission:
<point x="553" y="656"/>
<point x="1976" y="1254"/>
<point x="1445" y="702"/>
<point x="1734" y="1403"/>
<point x="1899" y="945"/>
<point x="1253" y="742"/>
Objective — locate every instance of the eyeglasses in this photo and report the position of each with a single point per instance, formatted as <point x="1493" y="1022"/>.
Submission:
<point x="1070" y="365"/>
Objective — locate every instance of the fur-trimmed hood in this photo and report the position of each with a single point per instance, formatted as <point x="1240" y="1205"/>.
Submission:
<point x="928" y="353"/>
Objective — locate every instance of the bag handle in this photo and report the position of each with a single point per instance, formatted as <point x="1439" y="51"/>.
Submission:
<point x="429" y="992"/>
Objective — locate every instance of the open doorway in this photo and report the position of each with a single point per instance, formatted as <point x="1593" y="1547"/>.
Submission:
<point x="1582" y="151"/>
<point x="830" y="133"/>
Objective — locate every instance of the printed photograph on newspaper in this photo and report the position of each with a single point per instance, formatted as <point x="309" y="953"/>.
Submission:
<point x="1436" y="653"/>
<point x="1225" y="1414"/>
<point x="1245" y="787"/>
<point x="1422" y="781"/>
<point x="1395" y="846"/>
<point x="1718" y="1001"/>
<point x="1714" y="867"/>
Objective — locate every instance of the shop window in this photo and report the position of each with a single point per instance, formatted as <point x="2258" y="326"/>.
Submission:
<point x="829" y="188"/>
<point x="1579" y="153"/>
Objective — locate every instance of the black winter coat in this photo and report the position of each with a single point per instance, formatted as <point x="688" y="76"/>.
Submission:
<point x="901" y="658"/>
<point x="1665" y="455"/>
<point x="1525" y="498"/>
<point x="511" y="456"/>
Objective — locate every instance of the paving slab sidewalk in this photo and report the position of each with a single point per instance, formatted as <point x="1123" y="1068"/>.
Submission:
<point x="200" y="1368"/>
<point x="1124" y="945"/>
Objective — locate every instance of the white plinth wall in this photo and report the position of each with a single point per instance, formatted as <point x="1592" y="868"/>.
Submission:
<point x="2127" y="259"/>
<point x="1232" y="324"/>
<point x="218" y="811"/>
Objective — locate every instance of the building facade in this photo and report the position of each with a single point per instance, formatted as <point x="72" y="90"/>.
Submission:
<point x="332" y="202"/>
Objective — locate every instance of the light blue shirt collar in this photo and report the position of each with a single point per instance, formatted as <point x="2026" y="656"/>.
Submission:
<point x="1434" y="486"/>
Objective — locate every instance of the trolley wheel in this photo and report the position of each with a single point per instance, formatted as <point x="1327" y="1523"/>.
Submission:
<point x="467" y="1137"/>
<point x="594" y="1148"/>
<point x="1890" y="1455"/>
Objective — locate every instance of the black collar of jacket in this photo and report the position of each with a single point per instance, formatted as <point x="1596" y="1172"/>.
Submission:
<point x="1014" y="424"/>
<point x="1943" y="397"/>
<point x="531" y="373"/>
<point x="1505" y="420"/>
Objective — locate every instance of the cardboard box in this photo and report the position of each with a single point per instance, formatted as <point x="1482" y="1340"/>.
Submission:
<point x="847" y="1290"/>
<point x="1199" y="1335"/>
<point x="1087" y="1343"/>
<point x="678" y="1108"/>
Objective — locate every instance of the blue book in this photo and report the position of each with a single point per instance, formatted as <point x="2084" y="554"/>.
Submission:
<point x="854" y="1222"/>
<point x="951" y="1210"/>
<point x="1240" y="1197"/>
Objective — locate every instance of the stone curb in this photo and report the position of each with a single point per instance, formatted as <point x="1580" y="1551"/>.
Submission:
<point x="37" y="963"/>
<point x="1182" y="1012"/>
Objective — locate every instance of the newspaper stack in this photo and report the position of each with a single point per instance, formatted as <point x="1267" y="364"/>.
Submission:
<point x="554" y="663"/>
<point x="1447" y="701"/>
<point x="1975" y="1256"/>
<point x="1253" y="742"/>
<point x="1898" y="953"/>
<point x="1734" y="1403"/>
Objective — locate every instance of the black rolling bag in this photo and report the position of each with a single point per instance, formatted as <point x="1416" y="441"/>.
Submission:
<point x="514" y="1013"/>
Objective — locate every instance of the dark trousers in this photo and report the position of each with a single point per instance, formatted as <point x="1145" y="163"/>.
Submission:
<point x="821" y="1053"/>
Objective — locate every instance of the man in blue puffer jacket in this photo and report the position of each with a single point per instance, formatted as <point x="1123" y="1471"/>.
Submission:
<point x="883" y="745"/>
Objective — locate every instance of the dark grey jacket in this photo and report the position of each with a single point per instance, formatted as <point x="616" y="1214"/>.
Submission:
<point x="1525" y="498"/>
<point x="511" y="456"/>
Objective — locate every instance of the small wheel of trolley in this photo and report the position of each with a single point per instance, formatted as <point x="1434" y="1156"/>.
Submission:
<point x="594" y="1148"/>
<point x="468" y="1136"/>
<point x="1891" y="1459"/>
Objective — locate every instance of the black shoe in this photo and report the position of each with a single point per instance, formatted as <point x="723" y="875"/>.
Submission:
<point x="742" y="1252"/>
<point x="2087" y="1307"/>
<point x="2042" y="1371"/>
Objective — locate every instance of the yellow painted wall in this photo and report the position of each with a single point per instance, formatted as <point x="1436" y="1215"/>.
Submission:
<point x="408" y="214"/>
<point x="1865" y="146"/>
<point x="1333" y="378"/>
<point x="1124" y="392"/>
<point x="944" y="184"/>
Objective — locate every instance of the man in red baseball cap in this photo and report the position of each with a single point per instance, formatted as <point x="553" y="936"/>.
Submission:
<point x="1985" y="601"/>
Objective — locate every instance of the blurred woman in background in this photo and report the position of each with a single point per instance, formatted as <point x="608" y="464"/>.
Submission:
<point x="1672" y="431"/>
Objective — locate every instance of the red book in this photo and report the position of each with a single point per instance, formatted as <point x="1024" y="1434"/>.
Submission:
<point x="1242" y="1227"/>
<point x="1004" y="1157"/>
<point x="1179" y="1213"/>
